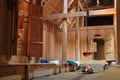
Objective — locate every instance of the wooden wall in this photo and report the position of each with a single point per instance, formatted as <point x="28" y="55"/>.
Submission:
<point x="53" y="42"/>
<point x="23" y="15"/>
<point x="35" y="31"/>
<point x="48" y="41"/>
<point x="52" y="45"/>
<point x="8" y="27"/>
<point x="108" y="36"/>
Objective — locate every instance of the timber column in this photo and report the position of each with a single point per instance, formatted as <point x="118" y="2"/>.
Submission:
<point x="77" y="37"/>
<point x="64" y="36"/>
<point x="117" y="30"/>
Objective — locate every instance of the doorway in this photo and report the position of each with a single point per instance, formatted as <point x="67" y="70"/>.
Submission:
<point x="100" y="52"/>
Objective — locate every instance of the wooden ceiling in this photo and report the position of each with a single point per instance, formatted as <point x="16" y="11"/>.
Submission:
<point x="56" y="7"/>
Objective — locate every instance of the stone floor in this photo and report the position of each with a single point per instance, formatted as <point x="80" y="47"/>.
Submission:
<point x="77" y="75"/>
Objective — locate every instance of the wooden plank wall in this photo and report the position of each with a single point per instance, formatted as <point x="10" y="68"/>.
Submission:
<point x="52" y="45"/>
<point x="22" y="28"/>
<point x="53" y="42"/>
<point x="108" y="37"/>
<point x="7" y="39"/>
<point x="48" y="40"/>
<point x="35" y="31"/>
<point x="71" y="46"/>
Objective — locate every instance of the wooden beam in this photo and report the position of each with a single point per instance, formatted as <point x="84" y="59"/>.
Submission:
<point x="58" y="21"/>
<point x="94" y="28"/>
<point x="80" y="4"/>
<point x="99" y="7"/>
<point x="102" y="12"/>
<point x="46" y="3"/>
<point x="116" y="49"/>
<point x="70" y="25"/>
<point x="97" y="27"/>
<point x="72" y="5"/>
<point x="69" y="9"/>
<point x="73" y="22"/>
<point x="64" y="33"/>
<point x="77" y="37"/>
<point x="51" y="7"/>
<point x="117" y="30"/>
<point x="64" y="15"/>
<point x="61" y="21"/>
<point x="82" y="13"/>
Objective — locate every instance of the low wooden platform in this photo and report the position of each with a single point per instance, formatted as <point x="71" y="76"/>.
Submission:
<point x="24" y="70"/>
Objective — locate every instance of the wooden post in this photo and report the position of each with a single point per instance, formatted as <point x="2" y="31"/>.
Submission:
<point x="64" y="41"/>
<point x="117" y="30"/>
<point x="77" y="40"/>
<point x="27" y="72"/>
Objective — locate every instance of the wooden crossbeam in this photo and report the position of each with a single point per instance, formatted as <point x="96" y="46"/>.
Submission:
<point x="102" y="12"/>
<point x="81" y="13"/>
<point x="68" y="15"/>
<point x="94" y="28"/>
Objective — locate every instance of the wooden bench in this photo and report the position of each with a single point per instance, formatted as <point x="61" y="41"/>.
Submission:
<point x="23" y="71"/>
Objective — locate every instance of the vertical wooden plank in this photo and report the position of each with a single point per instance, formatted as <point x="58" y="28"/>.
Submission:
<point x="35" y="31"/>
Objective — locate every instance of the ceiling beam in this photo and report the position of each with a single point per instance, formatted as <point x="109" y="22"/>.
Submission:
<point x="81" y="13"/>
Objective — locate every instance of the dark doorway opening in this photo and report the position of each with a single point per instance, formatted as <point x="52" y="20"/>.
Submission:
<point x="99" y="54"/>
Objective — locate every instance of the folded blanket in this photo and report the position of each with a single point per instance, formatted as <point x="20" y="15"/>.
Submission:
<point x="55" y="62"/>
<point x="77" y="62"/>
<point x="43" y="61"/>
